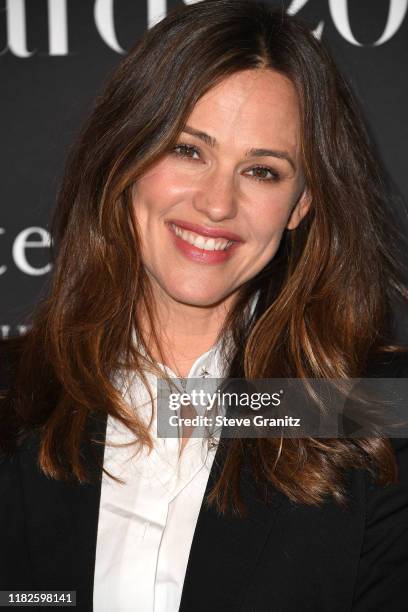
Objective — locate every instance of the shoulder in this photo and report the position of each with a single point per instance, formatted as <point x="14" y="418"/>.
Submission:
<point x="392" y="365"/>
<point x="383" y="566"/>
<point x="13" y="423"/>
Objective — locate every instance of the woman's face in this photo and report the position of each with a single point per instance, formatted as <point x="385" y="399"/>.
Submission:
<point x="212" y="211"/>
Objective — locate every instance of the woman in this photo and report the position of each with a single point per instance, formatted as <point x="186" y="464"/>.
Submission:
<point x="222" y="214"/>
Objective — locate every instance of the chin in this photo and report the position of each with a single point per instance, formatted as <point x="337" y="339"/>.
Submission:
<point x="196" y="294"/>
<point x="203" y="299"/>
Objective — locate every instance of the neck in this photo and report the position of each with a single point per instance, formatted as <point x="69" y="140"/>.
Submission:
<point x="185" y="331"/>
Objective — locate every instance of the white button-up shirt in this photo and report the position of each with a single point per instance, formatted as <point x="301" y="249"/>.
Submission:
<point x="146" y="525"/>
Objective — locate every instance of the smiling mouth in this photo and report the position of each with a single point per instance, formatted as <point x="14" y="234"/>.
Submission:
<point x="201" y="242"/>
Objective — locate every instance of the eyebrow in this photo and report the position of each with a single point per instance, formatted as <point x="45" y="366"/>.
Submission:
<point x="211" y="142"/>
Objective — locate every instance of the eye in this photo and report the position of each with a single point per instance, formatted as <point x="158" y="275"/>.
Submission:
<point x="263" y="173"/>
<point x="187" y="151"/>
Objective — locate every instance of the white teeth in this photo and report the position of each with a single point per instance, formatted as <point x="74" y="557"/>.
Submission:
<point x="207" y="244"/>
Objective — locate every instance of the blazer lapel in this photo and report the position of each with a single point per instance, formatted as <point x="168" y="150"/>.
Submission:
<point x="61" y="525"/>
<point x="225" y="548"/>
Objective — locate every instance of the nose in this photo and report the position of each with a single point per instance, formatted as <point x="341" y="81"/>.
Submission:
<point x="216" y="195"/>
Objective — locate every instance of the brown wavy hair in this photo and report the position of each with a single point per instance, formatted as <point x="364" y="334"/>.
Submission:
<point x="325" y="299"/>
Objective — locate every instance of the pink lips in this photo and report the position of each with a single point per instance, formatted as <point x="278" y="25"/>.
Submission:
<point x="211" y="232"/>
<point x="201" y="255"/>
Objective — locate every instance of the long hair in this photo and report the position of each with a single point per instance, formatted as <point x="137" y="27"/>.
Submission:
<point x="325" y="298"/>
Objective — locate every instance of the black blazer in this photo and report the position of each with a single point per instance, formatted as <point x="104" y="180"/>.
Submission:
<point x="283" y="557"/>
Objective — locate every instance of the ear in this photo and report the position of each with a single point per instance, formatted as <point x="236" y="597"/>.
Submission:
<point x="300" y="210"/>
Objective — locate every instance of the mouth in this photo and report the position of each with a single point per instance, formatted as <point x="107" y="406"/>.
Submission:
<point x="204" y="246"/>
<point x="199" y="241"/>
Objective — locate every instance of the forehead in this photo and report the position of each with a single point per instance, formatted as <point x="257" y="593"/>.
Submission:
<point x="252" y="107"/>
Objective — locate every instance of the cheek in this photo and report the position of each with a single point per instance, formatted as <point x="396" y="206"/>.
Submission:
<point x="148" y="194"/>
<point x="268" y="218"/>
<point x="158" y="188"/>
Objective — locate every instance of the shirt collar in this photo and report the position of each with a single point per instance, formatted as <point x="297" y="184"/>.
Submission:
<point x="208" y="365"/>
